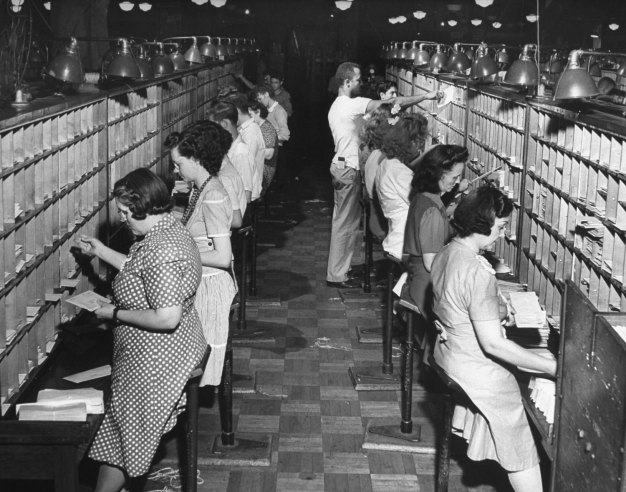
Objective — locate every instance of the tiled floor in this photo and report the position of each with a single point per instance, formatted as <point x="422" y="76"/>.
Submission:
<point x="302" y="394"/>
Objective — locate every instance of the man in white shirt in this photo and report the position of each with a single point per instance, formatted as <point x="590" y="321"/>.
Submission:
<point x="344" y="169"/>
<point x="252" y="136"/>
<point x="277" y="115"/>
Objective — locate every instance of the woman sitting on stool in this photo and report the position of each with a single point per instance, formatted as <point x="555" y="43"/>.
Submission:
<point x="197" y="154"/>
<point x="472" y="349"/>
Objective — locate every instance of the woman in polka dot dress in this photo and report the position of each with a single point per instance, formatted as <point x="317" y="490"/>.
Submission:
<point x="157" y="340"/>
<point x="197" y="155"/>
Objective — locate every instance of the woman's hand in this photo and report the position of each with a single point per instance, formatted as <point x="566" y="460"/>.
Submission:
<point x="88" y="245"/>
<point x="435" y="95"/>
<point x="463" y="185"/>
<point x="105" y="311"/>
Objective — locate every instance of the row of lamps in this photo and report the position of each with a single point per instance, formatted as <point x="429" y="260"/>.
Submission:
<point x="575" y="80"/>
<point x="131" y="60"/>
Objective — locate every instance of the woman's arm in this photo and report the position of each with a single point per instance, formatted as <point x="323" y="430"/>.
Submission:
<point x="237" y="219"/>
<point x="492" y="341"/>
<point x="269" y="153"/>
<point x="160" y="319"/>
<point x="94" y="247"/>
<point x="221" y="256"/>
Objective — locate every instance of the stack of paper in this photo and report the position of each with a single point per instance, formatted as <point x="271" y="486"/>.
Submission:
<point x="62" y="405"/>
<point x="527" y="311"/>
<point x="91" y="397"/>
<point x="543" y="393"/>
<point x="66" y="411"/>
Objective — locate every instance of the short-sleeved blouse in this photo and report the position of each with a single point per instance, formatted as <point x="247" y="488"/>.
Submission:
<point x="465" y="291"/>
<point x="211" y="218"/>
<point x="233" y="184"/>
<point x="427" y="228"/>
<point x="150" y="368"/>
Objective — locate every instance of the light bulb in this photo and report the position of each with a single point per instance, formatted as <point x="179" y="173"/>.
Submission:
<point x="393" y="20"/>
<point x="16" y="8"/>
<point x="247" y="11"/>
<point x="401" y="19"/>
<point x="47" y="5"/>
<point x="484" y="3"/>
<point x="145" y="6"/>
<point x="531" y="18"/>
<point x="496" y="25"/>
<point x="343" y="4"/>
<point x="218" y="3"/>
<point x="476" y="22"/>
<point x="452" y="23"/>
<point x="613" y="26"/>
<point x="419" y="14"/>
<point x="127" y="6"/>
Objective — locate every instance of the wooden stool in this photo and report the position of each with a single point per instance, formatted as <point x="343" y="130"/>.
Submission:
<point x="406" y="431"/>
<point x="395" y="266"/>
<point x="191" y="424"/>
<point x="453" y="394"/>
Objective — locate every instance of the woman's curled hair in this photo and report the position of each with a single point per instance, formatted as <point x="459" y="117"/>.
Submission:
<point x="144" y="193"/>
<point x="205" y="141"/>
<point x="404" y="130"/>
<point x="374" y="128"/>
<point x="433" y="164"/>
<point x="477" y="212"/>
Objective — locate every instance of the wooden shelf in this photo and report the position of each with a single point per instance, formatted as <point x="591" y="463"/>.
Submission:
<point x="60" y="186"/>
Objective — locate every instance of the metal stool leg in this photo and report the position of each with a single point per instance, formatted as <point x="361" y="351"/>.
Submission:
<point x="406" y="424"/>
<point x="388" y="327"/>
<point x="253" y="251"/>
<point x="191" y="471"/>
<point x="225" y="397"/>
<point x="241" y="321"/>
<point x="443" y="454"/>
<point x="367" y="286"/>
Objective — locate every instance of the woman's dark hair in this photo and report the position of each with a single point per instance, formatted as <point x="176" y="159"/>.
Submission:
<point x="477" y="212"/>
<point x="240" y="100"/>
<point x="222" y="110"/>
<point x="374" y="128"/>
<point x="205" y="141"/>
<point x="408" y="128"/>
<point x="144" y="193"/>
<point x="384" y="87"/>
<point x="433" y="164"/>
<point x="257" y="106"/>
<point x="263" y="89"/>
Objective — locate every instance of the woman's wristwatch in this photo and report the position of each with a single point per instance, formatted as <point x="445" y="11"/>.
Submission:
<point x="114" y="318"/>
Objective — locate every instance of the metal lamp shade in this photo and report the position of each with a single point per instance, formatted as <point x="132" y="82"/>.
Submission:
<point x="438" y="61"/>
<point x="145" y="69"/>
<point x="422" y="58"/>
<point x="162" y="65"/>
<point x="193" y="55"/>
<point x="483" y="67"/>
<point x="458" y="63"/>
<point x="67" y="66"/>
<point x="178" y="60"/>
<point x="621" y="71"/>
<point x="208" y="50"/>
<point x="221" y="50"/>
<point x="502" y="57"/>
<point x="522" y="72"/>
<point x="230" y="49"/>
<point x="575" y="83"/>
<point x="402" y="52"/>
<point x="124" y="65"/>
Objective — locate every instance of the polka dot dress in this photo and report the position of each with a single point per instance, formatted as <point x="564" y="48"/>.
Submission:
<point x="150" y="368"/>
